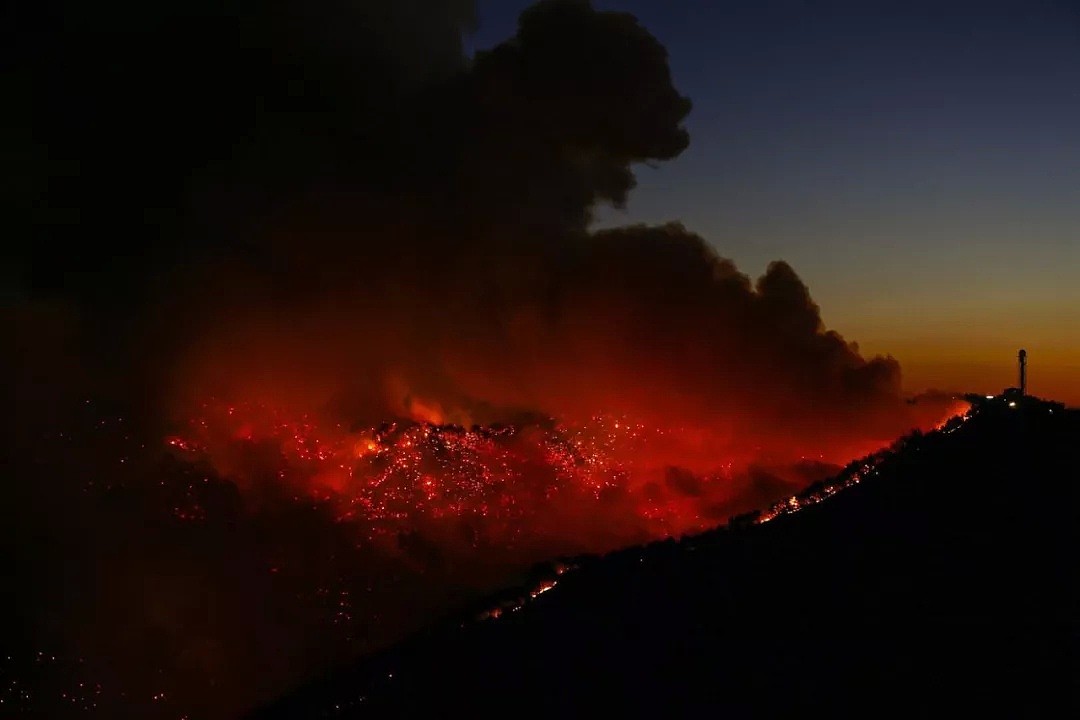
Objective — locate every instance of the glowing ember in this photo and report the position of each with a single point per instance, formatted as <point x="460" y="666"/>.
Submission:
<point x="400" y="473"/>
<point x="508" y="483"/>
<point x="853" y="476"/>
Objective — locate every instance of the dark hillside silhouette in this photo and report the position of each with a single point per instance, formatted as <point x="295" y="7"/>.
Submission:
<point x="944" y="581"/>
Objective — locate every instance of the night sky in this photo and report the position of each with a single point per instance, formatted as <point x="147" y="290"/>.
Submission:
<point x="917" y="163"/>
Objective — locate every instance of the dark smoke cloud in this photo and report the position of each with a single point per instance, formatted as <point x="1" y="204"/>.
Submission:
<point x="328" y="208"/>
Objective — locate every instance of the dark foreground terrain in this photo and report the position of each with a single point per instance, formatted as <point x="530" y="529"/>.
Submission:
<point x="943" y="581"/>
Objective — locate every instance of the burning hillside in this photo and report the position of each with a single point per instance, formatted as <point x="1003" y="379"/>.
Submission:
<point x="539" y="484"/>
<point x="542" y="485"/>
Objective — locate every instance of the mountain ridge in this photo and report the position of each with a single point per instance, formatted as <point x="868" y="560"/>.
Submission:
<point x="939" y="580"/>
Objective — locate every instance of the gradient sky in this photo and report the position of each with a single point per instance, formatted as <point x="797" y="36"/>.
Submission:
<point x="917" y="163"/>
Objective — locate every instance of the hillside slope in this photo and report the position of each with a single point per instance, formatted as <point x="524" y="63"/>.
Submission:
<point x="945" y="580"/>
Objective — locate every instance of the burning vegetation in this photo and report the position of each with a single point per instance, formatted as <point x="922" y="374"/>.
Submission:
<point x="542" y="485"/>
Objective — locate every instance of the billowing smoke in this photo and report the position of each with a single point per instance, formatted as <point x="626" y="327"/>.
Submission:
<point x="314" y="338"/>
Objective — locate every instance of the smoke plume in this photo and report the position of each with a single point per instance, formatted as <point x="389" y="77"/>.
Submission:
<point x="313" y="337"/>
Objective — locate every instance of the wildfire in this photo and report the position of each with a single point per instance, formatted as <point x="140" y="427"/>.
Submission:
<point x="398" y="474"/>
<point x="506" y="482"/>
<point x="959" y="414"/>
